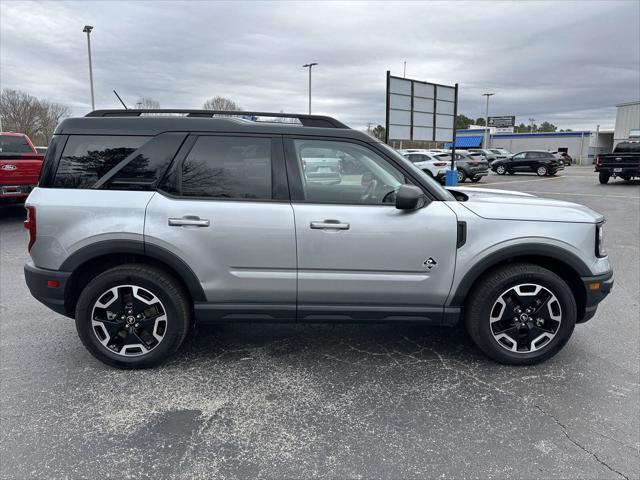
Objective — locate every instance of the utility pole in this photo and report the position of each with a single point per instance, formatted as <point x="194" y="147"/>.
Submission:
<point x="404" y="71"/>
<point x="595" y="152"/>
<point x="309" y="66"/>
<point x="486" y="121"/>
<point x="87" y="29"/>
<point x="531" y="120"/>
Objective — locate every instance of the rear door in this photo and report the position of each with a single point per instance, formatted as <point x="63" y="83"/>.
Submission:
<point x="224" y="210"/>
<point x="360" y="257"/>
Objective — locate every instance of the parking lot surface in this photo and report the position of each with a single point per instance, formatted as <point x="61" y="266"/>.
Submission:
<point x="338" y="401"/>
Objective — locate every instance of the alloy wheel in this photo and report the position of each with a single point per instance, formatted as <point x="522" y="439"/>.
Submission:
<point x="129" y="320"/>
<point x="525" y="318"/>
<point x="500" y="170"/>
<point x="542" y="171"/>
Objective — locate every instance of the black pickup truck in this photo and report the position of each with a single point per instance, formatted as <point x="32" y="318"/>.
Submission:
<point x="624" y="162"/>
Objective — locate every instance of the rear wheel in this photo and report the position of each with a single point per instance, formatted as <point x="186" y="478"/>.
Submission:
<point x="542" y="171"/>
<point x="133" y="316"/>
<point x="501" y="170"/>
<point x="521" y="314"/>
<point x="604" y="177"/>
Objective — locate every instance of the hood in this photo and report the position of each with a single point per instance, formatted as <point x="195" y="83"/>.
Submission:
<point x="506" y="205"/>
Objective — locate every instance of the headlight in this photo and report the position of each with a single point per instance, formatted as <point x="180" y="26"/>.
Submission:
<point x="600" y="250"/>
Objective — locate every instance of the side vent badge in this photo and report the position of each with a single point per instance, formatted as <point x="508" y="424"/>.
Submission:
<point x="430" y="263"/>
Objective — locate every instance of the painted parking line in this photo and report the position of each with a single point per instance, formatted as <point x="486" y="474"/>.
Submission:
<point x="630" y="197"/>
<point x="509" y="182"/>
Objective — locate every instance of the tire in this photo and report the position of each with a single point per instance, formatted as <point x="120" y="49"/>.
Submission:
<point x="541" y="171"/>
<point x="155" y="339"/>
<point x="604" y="177"/>
<point x="461" y="176"/>
<point x="476" y="179"/>
<point x="505" y="282"/>
<point x="501" y="170"/>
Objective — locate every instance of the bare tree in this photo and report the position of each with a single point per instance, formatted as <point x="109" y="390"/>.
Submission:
<point x="221" y="103"/>
<point x="20" y="112"/>
<point x="148" y="103"/>
<point x="27" y="114"/>
<point x="50" y="115"/>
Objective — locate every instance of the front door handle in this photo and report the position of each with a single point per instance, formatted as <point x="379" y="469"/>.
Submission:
<point x="188" y="221"/>
<point x="330" y="224"/>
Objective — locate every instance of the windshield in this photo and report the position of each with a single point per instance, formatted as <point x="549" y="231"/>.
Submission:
<point x="419" y="173"/>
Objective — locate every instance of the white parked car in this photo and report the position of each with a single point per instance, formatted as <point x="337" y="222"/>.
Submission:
<point x="433" y="163"/>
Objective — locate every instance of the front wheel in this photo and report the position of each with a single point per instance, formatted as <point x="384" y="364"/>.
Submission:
<point x="542" y="171"/>
<point x="501" y="170"/>
<point x="133" y="316"/>
<point x="461" y="176"/>
<point x="604" y="177"/>
<point x="521" y="314"/>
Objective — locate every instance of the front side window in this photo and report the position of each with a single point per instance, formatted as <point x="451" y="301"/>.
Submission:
<point x="228" y="168"/>
<point x="349" y="173"/>
<point x="87" y="158"/>
<point x="519" y="156"/>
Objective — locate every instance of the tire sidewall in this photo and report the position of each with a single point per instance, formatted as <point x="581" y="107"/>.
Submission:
<point x="501" y="170"/>
<point x="557" y="286"/>
<point x="97" y="287"/>
<point x="544" y="169"/>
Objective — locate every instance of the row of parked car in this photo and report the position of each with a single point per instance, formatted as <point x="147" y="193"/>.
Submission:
<point x="473" y="164"/>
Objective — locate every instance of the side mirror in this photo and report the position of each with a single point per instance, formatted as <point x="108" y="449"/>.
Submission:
<point x="410" y="197"/>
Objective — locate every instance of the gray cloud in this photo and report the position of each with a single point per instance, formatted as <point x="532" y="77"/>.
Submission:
<point x="568" y="63"/>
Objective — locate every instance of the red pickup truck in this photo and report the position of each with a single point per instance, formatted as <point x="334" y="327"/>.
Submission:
<point x="20" y="165"/>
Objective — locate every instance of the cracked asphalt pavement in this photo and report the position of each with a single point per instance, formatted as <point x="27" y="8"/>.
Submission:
<point x="331" y="401"/>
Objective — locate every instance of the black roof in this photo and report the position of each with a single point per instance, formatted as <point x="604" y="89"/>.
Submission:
<point x="142" y="122"/>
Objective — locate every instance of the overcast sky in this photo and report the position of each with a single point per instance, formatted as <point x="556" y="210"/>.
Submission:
<point x="568" y="63"/>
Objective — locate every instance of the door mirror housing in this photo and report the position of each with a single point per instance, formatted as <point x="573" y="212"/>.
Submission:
<point x="410" y="197"/>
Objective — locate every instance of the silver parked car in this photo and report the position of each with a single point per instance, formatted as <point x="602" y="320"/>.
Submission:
<point x="143" y="225"/>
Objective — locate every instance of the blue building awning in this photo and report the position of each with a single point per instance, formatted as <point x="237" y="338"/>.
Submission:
<point x="465" y="142"/>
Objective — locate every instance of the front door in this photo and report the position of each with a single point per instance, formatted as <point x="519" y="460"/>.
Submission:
<point x="359" y="256"/>
<point x="520" y="162"/>
<point x="223" y="212"/>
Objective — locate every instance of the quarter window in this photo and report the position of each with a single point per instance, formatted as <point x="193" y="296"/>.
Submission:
<point x="228" y="167"/>
<point x="87" y="158"/>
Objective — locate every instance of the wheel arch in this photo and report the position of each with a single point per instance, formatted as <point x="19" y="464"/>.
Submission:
<point x="563" y="263"/>
<point x="94" y="259"/>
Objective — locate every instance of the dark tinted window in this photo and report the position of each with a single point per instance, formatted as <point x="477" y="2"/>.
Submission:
<point x="14" y="144"/>
<point x="87" y="158"/>
<point x="630" y="147"/>
<point x="228" y="167"/>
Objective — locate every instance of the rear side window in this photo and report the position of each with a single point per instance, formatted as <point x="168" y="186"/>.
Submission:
<point x="228" y="168"/>
<point x="14" y="144"/>
<point x="87" y="158"/>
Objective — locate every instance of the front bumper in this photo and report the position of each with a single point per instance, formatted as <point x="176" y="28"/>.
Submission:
<point x="596" y="288"/>
<point x="42" y="285"/>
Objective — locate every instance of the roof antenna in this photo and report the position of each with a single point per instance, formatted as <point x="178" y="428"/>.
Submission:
<point x="125" y="107"/>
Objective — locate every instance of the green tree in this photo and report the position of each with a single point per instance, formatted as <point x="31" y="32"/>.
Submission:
<point x="462" y="122"/>
<point x="380" y="133"/>
<point x="547" y="127"/>
<point x="480" y="121"/>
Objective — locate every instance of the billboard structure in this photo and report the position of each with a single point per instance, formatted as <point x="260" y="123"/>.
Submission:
<point x="504" y="124"/>
<point x="420" y="111"/>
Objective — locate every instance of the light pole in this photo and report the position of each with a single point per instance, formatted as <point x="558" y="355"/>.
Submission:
<point x="87" y="29"/>
<point x="309" y="66"/>
<point x="486" y="121"/>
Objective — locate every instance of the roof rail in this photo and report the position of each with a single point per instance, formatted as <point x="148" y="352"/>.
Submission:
<point x="305" y="119"/>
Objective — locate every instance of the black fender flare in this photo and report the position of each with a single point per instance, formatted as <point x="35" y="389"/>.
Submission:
<point x="550" y="252"/>
<point x="137" y="247"/>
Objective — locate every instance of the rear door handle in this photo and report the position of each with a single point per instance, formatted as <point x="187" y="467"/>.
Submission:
<point x="329" y="224"/>
<point x="188" y="221"/>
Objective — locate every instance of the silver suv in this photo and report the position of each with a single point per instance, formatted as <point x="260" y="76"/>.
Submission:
<point x="143" y="225"/>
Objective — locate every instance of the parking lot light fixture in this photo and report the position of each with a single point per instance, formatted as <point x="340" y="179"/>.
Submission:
<point x="486" y="121"/>
<point x="87" y="29"/>
<point x="309" y="66"/>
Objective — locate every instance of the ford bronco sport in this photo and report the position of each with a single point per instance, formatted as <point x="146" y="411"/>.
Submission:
<point x="143" y="225"/>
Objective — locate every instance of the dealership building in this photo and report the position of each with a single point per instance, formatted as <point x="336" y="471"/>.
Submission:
<point x="582" y="145"/>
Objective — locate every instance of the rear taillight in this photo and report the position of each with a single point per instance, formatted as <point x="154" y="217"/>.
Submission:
<point x="440" y="164"/>
<point x="30" y="225"/>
